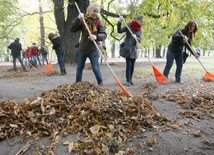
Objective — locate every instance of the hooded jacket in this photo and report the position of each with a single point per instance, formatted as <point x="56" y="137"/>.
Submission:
<point x="15" y="48"/>
<point x="57" y="45"/>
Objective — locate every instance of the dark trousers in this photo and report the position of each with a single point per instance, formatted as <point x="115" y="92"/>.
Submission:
<point x="130" y="64"/>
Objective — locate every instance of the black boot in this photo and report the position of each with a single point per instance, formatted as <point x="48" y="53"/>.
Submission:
<point x="61" y="72"/>
<point x="64" y="71"/>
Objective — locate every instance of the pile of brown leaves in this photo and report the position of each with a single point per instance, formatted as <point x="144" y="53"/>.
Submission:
<point x="105" y="118"/>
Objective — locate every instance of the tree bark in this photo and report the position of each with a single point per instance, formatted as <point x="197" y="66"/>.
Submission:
<point x="42" y="27"/>
<point x="63" y="23"/>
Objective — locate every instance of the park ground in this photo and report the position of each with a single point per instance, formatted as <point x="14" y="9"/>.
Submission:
<point x="188" y="106"/>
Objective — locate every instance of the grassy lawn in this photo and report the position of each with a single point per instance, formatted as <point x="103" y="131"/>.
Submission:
<point x="191" y="68"/>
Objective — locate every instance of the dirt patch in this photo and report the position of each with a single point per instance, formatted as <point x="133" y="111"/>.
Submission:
<point x="189" y="106"/>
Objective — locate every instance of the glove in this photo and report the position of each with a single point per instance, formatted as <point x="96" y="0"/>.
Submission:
<point x="134" y="36"/>
<point x="196" y="55"/>
<point x="121" y="19"/>
<point x="92" y="37"/>
<point x="81" y="16"/>
<point x="185" y="39"/>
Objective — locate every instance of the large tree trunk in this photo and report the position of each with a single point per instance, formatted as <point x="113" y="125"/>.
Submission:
<point x="42" y="27"/>
<point x="63" y="25"/>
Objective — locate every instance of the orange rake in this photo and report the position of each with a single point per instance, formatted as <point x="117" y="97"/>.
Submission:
<point x="208" y="75"/>
<point x="33" y="66"/>
<point x="49" y="69"/>
<point x="117" y="80"/>
<point x="158" y="75"/>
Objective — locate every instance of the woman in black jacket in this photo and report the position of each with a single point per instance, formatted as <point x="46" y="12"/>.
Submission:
<point x="57" y="46"/>
<point x="176" y="49"/>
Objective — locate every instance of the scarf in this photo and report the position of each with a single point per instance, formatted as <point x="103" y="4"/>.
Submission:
<point x="135" y="25"/>
<point x="91" y="23"/>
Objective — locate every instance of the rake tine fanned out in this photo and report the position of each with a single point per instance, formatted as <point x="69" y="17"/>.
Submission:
<point x="208" y="76"/>
<point x="49" y="69"/>
<point x="117" y="80"/>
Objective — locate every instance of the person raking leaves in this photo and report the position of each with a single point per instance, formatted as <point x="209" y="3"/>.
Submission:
<point x="177" y="47"/>
<point x="57" y="46"/>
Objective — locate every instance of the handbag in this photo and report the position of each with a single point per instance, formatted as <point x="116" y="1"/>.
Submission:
<point x="122" y="52"/>
<point x="185" y="56"/>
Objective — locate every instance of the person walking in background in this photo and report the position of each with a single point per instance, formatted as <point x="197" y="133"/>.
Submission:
<point x="87" y="48"/>
<point x="44" y="53"/>
<point x="16" y="48"/>
<point x="34" y="51"/>
<point x="27" y="55"/>
<point x="57" y="46"/>
<point x="129" y="48"/>
<point x="176" y="49"/>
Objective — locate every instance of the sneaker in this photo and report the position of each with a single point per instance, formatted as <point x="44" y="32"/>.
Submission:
<point x="179" y="82"/>
<point x="131" y="83"/>
<point x="128" y="84"/>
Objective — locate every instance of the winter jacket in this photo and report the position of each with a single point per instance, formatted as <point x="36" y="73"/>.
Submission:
<point x="34" y="51"/>
<point x="130" y="47"/>
<point x="16" y="48"/>
<point x="57" y="45"/>
<point x="177" y="44"/>
<point x="43" y="51"/>
<point x="27" y="53"/>
<point x="86" y="45"/>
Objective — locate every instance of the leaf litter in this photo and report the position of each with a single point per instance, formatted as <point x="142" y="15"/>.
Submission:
<point x="105" y="119"/>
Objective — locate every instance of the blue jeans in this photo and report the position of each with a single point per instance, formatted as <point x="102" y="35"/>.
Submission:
<point x="170" y="57"/>
<point x="39" y="60"/>
<point x="60" y="60"/>
<point x="130" y="63"/>
<point x="20" y="60"/>
<point x="93" y="57"/>
<point x="35" y="60"/>
<point x="44" y="58"/>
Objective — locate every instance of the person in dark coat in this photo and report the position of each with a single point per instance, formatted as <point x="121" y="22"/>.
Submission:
<point x="129" y="49"/>
<point x="16" y="48"/>
<point x="177" y="47"/>
<point x="44" y="53"/>
<point x="87" y="48"/>
<point x="57" y="46"/>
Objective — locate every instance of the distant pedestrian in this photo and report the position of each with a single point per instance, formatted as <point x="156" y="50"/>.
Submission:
<point x="57" y="46"/>
<point x="16" y="49"/>
<point x="34" y="51"/>
<point x="44" y="53"/>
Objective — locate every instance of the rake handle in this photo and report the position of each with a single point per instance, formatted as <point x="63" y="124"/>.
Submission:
<point x="132" y="34"/>
<point x="192" y="51"/>
<point x="95" y="41"/>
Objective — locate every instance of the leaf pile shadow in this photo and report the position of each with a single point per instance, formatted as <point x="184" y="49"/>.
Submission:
<point x="104" y="118"/>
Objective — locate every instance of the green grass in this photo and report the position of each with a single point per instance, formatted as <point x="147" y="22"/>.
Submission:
<point x="191" y="68"/>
